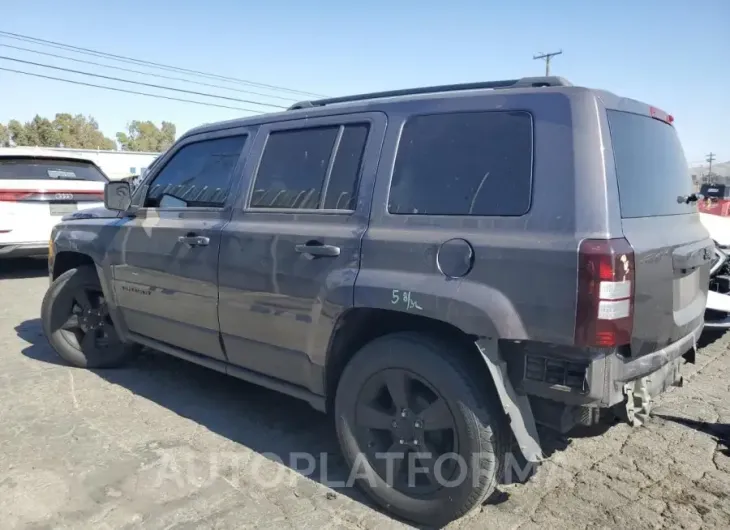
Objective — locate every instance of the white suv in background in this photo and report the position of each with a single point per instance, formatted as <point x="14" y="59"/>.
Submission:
<point x="37" y="188"/>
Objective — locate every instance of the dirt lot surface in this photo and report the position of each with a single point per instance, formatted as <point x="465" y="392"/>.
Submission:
<point x="164" y="444"/>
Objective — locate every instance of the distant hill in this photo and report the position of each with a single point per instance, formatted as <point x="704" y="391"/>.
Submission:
<point x="722" y="169"/>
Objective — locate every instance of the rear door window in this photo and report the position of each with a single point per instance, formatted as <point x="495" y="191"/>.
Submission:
<point x="311" y="168"/>
<point x="49" y="169"/>
<point x="651" y="169"/>
<point x="345" y="175"/>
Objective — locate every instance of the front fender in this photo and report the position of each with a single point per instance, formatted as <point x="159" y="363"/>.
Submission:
<point x="90" y="238"/>
<point x="475" y="308"/>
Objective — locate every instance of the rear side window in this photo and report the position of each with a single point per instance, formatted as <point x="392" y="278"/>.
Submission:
<point x="311" y="168"/>
<point x="49" y="169"/>
<point x="467" y="163"/>
<point x="198" y="175"/>
<point x="650" y="166"/>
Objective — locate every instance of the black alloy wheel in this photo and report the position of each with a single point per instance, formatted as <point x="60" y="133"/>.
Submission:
<point x="89" y="324"/>
<point x="401" y="415"/>
<point x="420" y="426"/>
<point x="78" y="324"/>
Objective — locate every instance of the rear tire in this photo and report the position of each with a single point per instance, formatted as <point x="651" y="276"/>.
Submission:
<point x="77" y="324"/>
<point x="447" y="411"/>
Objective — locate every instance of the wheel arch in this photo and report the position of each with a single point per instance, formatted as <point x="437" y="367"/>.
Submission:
<point x="358" y="326"/>
<point x="66" y="260"/>
<point x="69" y="259"/>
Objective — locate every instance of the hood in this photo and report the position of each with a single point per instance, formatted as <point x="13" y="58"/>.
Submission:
<point x="718" y="226"/>
<point x="98" y="212"/>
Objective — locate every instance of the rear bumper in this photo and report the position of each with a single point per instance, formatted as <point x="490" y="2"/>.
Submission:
<point x="593" y="378"/>
<point x="624" y="371"/>
<point x="602" y="381"/>
<point x="24" y="250"/>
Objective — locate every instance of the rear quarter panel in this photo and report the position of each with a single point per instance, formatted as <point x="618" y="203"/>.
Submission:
<point x="523" y="282"/>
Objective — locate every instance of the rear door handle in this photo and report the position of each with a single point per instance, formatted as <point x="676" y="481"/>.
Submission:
<point x="318" y="249"/>
<point x="192" y="240"/>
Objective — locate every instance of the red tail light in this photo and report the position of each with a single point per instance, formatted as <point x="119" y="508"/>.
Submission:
<point x="605" y="309"/>
<point x="15" y="195"/>
<point x="47" y="196"/>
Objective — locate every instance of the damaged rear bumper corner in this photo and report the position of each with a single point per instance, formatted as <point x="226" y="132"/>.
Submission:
<point x="610" y="380"/>
<point x="516" y="406"/>
<point x="658" y="370"/>
<point x="641" y="392"/>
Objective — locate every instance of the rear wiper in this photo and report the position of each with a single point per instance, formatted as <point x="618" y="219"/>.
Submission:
<point x="686" y="199"/>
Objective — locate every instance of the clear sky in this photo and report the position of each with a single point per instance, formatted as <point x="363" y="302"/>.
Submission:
<point x="671" y="53"/>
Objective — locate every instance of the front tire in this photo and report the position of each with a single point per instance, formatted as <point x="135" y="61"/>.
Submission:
<point x="414" y="399"/>
<point x="77" y="324"/>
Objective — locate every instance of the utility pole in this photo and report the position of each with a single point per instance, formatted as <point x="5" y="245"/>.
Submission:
<point x="710" y="159"/>
<point x="546" y="57"/>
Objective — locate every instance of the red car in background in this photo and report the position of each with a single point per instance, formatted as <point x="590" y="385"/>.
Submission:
<point x="716" y="199"/>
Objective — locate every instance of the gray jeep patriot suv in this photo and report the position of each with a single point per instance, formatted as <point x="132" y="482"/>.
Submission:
<point x="442" y="268"/>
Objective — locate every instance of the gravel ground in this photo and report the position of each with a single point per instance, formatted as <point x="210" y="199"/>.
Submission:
<point x="166" y="444"/>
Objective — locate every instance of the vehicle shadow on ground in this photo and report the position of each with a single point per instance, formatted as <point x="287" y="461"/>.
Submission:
<point x="264" y="421"/>
<point x="710" y="336"/>
<point x="22" y="268"/>
<point x="720" y="432"/>
<point x="269" y="423"/>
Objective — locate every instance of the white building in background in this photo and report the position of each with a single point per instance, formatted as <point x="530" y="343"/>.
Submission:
<point x="116" y="164"/>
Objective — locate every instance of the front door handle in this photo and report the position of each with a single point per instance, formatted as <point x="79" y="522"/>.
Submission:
<point x="317" y="249"/>
<point x="191" y="240"/>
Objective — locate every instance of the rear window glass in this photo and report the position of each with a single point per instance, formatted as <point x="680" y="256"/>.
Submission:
<point x="48" y="169"/>
<point x="651" y="169"/>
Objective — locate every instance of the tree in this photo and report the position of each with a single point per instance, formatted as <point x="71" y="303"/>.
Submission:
<point x="81" y="132"/>
<point x="18" y="133"/>
<point x="4" y="136"/>
<point x="146" y="136"/>
<point x="41" y="131"/>
<point x="64" y="131"/>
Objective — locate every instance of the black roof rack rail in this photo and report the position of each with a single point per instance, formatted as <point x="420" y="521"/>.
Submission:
<point x="525" y="82"/>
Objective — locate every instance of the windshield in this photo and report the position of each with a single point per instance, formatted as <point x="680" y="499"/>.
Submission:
<point x="650" y="166"/>
<point x="49" y="169"/>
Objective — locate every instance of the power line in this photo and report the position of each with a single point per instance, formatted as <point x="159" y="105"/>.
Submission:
<point x="159" y="96"/>
<point x="546" y="57"/>
<point x="119" y="79"/>
<point x="710" y="159"/>
<point x="122" y="58"/>
<point x="161" y="76"/>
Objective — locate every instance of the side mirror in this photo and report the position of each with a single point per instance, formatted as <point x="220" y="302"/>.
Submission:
<point x="117" y="196"/>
